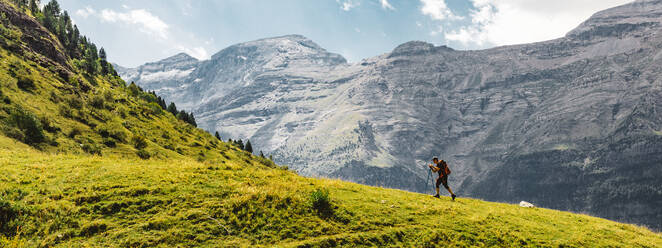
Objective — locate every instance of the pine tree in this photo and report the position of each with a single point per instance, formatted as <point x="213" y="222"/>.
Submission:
<point x="182" y="115"/>
<point x="102" y="54"/>
<point x="240" y="144"/>
<point x="261" y="154"/>
<point x="34" y="7"/>
<point x="172" y="108"/>
<point x="248" y="147"/>
<point x="74" y="41"/>
<point x="161" y="102"/>
<point x="104" y="62"/>
<point x="218" y="136"/>
<point x="191" y="120"/>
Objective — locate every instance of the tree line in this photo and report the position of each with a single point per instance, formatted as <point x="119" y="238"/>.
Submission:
<point x="151" y="96"/>
<point x="78" y="47"/>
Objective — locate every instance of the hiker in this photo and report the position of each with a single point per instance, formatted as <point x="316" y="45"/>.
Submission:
<point x="441" y="167"/>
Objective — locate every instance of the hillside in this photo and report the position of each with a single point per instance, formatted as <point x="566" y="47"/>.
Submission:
<point x="59" y="100"/>
<point x="571" y="123"/>
<point x="78" y="200"/>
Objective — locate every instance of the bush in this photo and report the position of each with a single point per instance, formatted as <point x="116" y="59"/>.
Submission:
<point x="134" y="90"/>
<point x="143" y="154"/>
<point x="139" y="142"/>
<point x="113" y="130"/>
<point x="47" y="124"/>
<point x="108" y="95"/>
<point x="9" y="213"/>
<point x="109" y="142"/>
<point x="154" y="108"/>
<point x="91" y="149"/>
<point x="74" y="102"/>
<point x="93" y="228"/>
<point x="321" y="202"/>
<point x="25" y="83"/>
<point x="97" y="102"/>
<point x="29" y="125"/>
<point x="74" y="132"/>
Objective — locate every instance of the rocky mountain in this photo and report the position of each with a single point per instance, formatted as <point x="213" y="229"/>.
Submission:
<point x="572" y="123"/>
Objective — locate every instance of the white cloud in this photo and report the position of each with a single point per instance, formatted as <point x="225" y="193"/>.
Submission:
<point x="347" y="5"/>
<point x="147" y="22"/>
<point x="196" y="52"/>
<point x="87" y="11"/>
<point x="150" y="24"/>
<point x="506" y="22"/>
<point x="438" y="10"/>
<point x="437" y="31"/>
<point x="357" y="30"/>
<point x="386" y="4"/>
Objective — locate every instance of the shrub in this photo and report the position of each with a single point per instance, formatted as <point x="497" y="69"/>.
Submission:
<point x="154" y="108"/>
<point x="143" y="154"/>
<point x="91" y="149"/>
<point x="25" y="83"/>
<point x="321" y="202"/>
<point x="74" y="102"/>
<point x="113" y="130"/>
<point x="108" y="95"/>
<point x="109" y="142"/>
<point x="93" y="228"/>
<point x="4" y="98"/>
<point x="75" y="131"/>
<point x="48" y="125"/>
<point x="13" y="133"/>
<point x="9" y="213"/>
<point x="169" y="147"/>
<point x="29" y="125"/>
<point x="139" y="142"/>
<point x="67" y="112"/>
<point x="55" y="97"/>
<point x="97" y="101"/>
<point x="134" y="90"/>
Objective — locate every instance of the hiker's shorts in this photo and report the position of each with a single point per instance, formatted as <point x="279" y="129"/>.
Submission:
<point x="442" y="180"/>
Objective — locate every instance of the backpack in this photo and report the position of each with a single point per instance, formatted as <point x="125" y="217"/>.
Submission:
<point x="447" y="171"/>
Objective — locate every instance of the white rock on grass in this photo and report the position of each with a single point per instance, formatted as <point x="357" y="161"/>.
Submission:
<point x="526" y="204"/>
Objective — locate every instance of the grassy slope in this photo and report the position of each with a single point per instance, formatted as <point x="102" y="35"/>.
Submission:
<point x="201" y="192"/>
<point x="77" y="124"/>
<point x="74" y="200"/>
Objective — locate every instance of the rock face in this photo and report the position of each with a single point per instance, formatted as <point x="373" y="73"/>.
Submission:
<point x="573" y="123"/>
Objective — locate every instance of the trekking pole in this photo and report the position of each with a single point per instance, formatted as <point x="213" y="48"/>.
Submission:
<point x="427" y="180"/>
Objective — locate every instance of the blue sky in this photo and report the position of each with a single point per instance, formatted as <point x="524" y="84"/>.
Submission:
<point x="135" y="32"/>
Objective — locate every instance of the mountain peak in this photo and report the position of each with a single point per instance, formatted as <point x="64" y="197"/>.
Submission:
<point x="636" y="16"/>
<point x="417" y="48"/>
<point x="180" y="57"/>
<point x="282" y="48"/>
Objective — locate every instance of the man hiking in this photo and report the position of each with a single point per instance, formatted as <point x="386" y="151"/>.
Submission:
<point x="441" y="167"/>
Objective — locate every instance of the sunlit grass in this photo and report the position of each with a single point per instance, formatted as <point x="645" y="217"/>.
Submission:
<point x="80" y="200"/>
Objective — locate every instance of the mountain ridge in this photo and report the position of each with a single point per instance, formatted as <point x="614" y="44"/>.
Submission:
<point x="577" y="97"/>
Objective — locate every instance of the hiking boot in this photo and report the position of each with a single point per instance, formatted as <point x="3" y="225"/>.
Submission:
<point x="453" y="196"/>
<point x="436" y="196"/>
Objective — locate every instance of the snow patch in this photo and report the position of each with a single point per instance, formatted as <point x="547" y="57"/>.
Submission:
<point x="165" y="75"/>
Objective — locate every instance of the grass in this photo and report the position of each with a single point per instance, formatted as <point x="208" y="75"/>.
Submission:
<point x="82" y="200"/>
<point x="107" y="167"/>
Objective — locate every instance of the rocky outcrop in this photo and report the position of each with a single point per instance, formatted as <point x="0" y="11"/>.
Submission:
<point x="571" y="123"/>
<point x="35" y="39"/>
